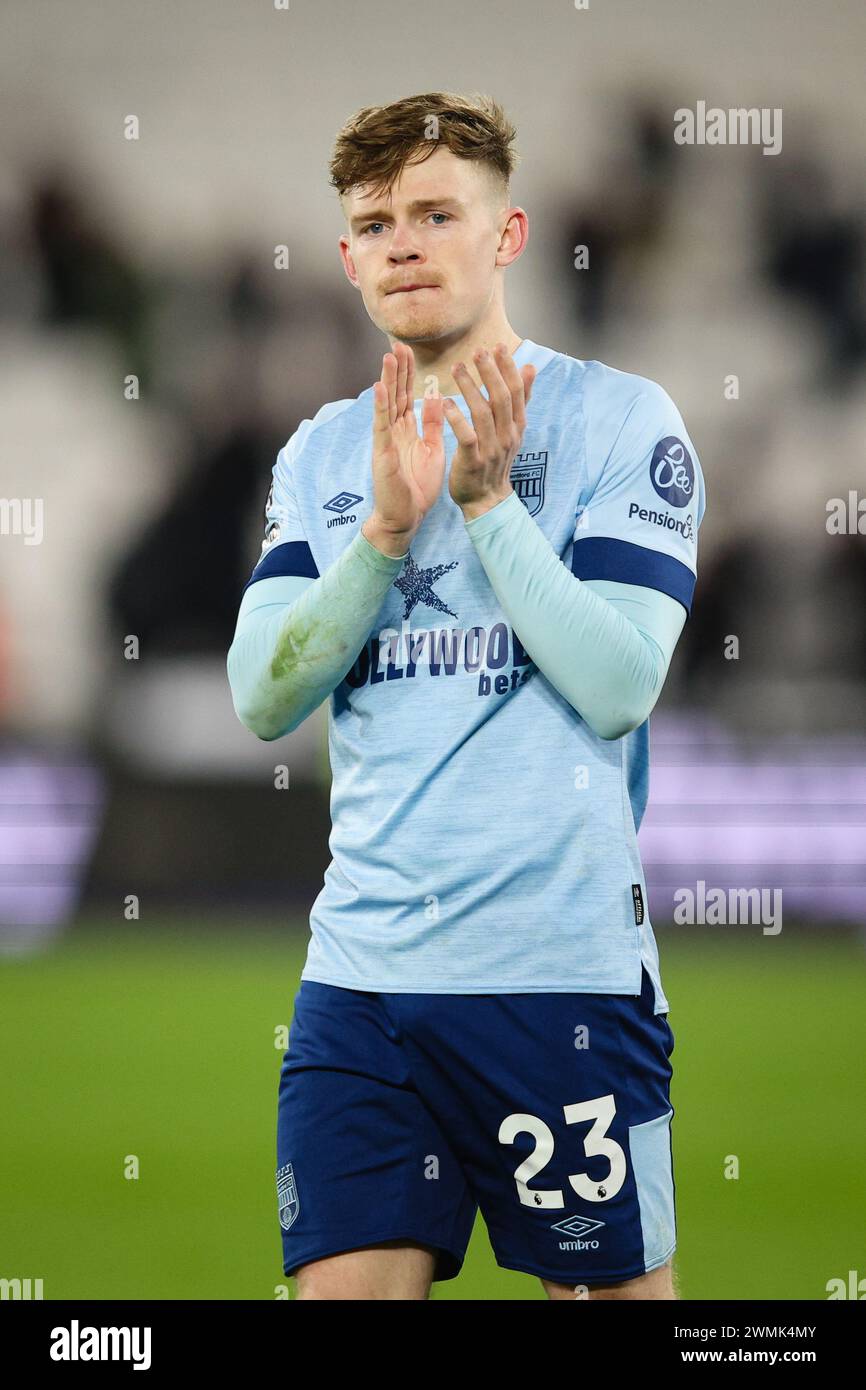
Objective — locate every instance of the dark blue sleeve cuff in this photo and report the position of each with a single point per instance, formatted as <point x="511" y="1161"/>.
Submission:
<point x="604" y="557"/>
<point x="292" y="557"/>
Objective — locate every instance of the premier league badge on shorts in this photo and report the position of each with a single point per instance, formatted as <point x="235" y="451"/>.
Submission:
<point x="527" y="477"/>
<point x="287" y="1196"/>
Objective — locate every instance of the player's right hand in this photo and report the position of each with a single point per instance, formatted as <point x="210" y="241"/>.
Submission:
<point x="407" y="470"/>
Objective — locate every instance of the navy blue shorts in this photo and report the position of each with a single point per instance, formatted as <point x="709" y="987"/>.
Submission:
<point x="401" y="1114"/>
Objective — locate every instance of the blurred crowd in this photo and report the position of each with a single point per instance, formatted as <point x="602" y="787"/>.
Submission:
<point x="147" y="407"/>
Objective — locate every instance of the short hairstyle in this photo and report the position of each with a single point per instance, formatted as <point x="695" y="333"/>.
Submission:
<point x="375" y="144"/>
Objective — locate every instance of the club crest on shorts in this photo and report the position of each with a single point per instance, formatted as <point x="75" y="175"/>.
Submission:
<point x="527" y="476"/>
<point x="287" y="1196"/>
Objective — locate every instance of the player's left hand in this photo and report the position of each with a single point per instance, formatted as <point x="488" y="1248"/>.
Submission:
<point x="481" y="465"/>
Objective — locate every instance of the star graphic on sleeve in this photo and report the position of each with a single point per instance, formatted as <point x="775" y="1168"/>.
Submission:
<point x="416" y="585"/>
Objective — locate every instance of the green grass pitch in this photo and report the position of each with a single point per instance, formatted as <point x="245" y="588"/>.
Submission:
<point x="158" y="1041"/>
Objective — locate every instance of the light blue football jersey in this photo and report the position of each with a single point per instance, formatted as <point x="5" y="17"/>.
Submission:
<point x="484" y="838"/>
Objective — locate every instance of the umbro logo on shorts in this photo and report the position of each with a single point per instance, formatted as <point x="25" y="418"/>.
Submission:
<point x="577" y="1225"/>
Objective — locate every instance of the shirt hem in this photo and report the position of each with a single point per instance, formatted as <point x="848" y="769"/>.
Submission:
<point x="554" y="987"/>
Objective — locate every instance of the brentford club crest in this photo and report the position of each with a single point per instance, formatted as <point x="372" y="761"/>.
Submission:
<point x="287" y="1196"/>
<point x="527" y="477"/>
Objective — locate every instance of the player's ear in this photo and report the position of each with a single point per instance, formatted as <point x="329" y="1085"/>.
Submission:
<point x="513" y="236"/>
<point x="348" y="263"/>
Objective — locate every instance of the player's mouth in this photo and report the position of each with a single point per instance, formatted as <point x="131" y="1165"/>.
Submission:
<point x="412" y="289"/>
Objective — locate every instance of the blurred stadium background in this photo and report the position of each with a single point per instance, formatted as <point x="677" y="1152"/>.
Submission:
<point x="154" y="884"/>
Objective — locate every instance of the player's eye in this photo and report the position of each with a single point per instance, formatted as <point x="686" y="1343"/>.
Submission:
<point x="446" y="215"/>
<point x="371" y="225"/>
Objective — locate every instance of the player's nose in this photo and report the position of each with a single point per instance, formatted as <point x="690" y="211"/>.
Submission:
<point x="403" y="247"/>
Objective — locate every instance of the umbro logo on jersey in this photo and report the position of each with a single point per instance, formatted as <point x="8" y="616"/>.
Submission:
<point x="527" y="476"/>
<point x="342" y="502"/>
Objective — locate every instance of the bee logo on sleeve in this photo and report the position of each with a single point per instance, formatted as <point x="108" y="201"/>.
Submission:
<point x="672" y="472"/>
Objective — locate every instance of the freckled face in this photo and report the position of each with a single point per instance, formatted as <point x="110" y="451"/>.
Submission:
<point x="424" y="256"/>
